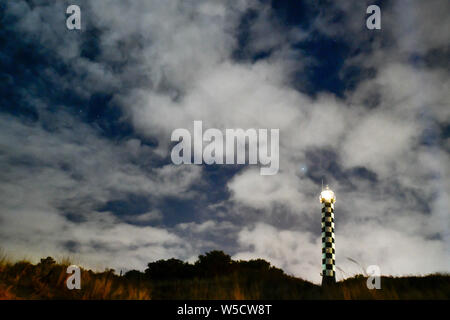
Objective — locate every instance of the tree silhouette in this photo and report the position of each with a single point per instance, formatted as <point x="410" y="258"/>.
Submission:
<point x="47" y="261"/>
<point x="169" y="269"/>
<point x="213" y="263"/>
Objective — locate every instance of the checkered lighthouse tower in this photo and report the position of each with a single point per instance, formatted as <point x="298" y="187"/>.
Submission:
<point x="328" y="199"/>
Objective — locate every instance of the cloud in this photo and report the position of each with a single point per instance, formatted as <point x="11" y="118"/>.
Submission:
<point x="296" y="252"/>
<point x="56" y="183"/>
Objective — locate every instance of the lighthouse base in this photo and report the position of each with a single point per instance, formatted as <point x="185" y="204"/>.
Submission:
<point x="328" y="281"/>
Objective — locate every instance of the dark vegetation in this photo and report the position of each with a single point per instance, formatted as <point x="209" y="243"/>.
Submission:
<point x="213" y="276"/>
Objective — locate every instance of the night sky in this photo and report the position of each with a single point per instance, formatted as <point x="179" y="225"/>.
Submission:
<point x="86" y="118"/>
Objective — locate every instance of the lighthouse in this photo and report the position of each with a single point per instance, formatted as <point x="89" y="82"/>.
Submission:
<point x="328" y="199"/>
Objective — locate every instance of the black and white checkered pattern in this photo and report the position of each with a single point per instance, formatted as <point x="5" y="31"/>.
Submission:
<point x="328" y="242"/>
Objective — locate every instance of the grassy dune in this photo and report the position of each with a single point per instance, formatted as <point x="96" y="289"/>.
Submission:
<point x="213" y="276"/>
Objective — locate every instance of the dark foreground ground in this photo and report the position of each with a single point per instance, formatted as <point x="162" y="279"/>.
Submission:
<point x="213" y="276"/>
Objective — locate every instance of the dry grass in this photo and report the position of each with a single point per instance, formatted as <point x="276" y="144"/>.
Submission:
<point x="23" y="280"/>
<point x="47" y="280"/>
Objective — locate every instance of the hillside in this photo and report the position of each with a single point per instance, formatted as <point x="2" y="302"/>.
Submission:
<point x="213" y="276"/>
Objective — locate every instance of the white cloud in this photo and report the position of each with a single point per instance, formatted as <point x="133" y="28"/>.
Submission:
<point x="295" y="252"/>
<point x="51" y="175"/>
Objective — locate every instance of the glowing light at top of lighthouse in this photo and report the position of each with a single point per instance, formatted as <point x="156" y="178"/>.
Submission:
<point x="327" y="196"/>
